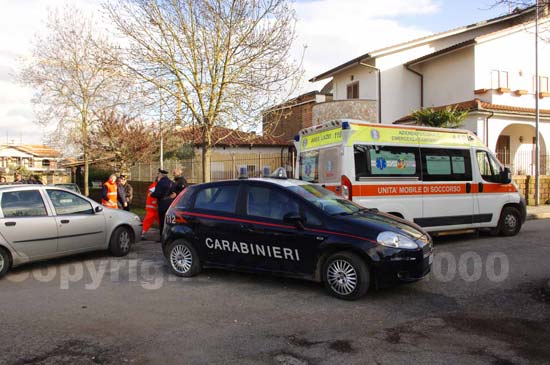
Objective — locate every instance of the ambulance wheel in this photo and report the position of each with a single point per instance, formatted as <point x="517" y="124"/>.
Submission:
<point x="510" y="221"/>
<point x="4" y="262"/>
<point x="183" y="259"/>
<point x="346" y="276"/>
<point x="120" y="242"/>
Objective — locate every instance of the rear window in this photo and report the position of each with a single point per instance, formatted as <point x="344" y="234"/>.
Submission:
<point x="218" y="198"/>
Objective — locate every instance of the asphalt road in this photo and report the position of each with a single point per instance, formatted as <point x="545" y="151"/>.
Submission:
<point x="483" y="303"/>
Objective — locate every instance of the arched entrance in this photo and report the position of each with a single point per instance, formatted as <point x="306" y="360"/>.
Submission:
<point x="515" y="148"/>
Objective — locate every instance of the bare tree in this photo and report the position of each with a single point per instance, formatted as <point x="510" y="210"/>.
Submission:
<point x="221" y="62"/>
<point x="76" y="74"/>
<point x="123" y="137"/>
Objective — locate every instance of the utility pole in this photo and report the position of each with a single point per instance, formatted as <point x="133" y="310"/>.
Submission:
<point x="537" y="113"/>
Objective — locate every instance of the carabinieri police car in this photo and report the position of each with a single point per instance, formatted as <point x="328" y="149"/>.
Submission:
<point x="292" y="228"/>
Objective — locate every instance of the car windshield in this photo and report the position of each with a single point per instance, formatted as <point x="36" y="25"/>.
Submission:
<point x="326" y="200"/>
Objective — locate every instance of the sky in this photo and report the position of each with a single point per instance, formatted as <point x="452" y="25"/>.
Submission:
<point x="332" y="32"/>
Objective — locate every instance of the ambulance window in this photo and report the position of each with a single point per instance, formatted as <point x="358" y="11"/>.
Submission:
<point x="309" y="166"/>
<point x="329" y="165"/>
<point x="446" y="165"/>
<point x="489" y="168"/>
<point x="219" y="198"/>
<point x="382" y="161"/>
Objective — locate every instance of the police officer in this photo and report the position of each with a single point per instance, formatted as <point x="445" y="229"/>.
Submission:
<point x="162" y="192"/>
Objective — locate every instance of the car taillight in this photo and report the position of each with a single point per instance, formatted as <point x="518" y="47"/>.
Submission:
<point x="346" y="188"/>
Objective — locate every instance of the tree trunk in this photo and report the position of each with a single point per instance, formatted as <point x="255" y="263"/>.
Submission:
<point x="206" y="153"/>
<point x="86" y="174"/>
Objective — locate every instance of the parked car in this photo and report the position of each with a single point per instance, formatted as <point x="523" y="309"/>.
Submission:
<point x="292" y="228"/>
<point x="69" y="186"/>
<point x="39" y="222"/>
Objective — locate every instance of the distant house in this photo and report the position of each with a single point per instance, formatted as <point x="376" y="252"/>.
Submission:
<point x="487" y="68"/>
<point x="37" y="159"/>
<point x="285" y="120"/>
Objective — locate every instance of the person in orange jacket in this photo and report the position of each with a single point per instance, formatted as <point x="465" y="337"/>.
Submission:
<point x="151" y="210"/>
<point x="109" y="193"/>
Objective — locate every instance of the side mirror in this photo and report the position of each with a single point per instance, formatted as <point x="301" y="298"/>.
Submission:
<point x="506" y="176"/>
<point x="98" y="209"/>
<point x="294" y="218"/>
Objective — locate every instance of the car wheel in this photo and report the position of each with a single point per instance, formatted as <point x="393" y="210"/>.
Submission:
<point x="346" y="276"/>
<point x="510" y="221"/>
<point x="183" y="259"/>
<point x="4" y="262"/>
<point x="121" y="240"/>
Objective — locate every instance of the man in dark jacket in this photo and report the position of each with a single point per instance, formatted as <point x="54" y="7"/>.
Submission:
<point x="121" y="195"/>
<point x="179" y="183"/>
<point x="162" y="192"/>
<point x="128" y="189"/>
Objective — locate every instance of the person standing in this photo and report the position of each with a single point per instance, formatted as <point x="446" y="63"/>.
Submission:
<point x="109" y="193"/>
<point x="18" y="178"/>
<point x="162" y="192"/>
<point x="179" y="183"/>
<point x="151" y="210"/>
<point x="121" y="195"/>
<point x="128" y="189"/>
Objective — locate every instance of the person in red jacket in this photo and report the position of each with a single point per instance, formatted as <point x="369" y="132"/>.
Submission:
<point x="151" y="210"/>
<point x="109" y="193"/>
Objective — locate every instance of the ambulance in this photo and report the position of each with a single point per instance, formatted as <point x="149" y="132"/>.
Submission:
<point x="444" y="180"/>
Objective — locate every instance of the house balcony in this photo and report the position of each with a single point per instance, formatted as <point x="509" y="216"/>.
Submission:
<point x="364" y="109"/>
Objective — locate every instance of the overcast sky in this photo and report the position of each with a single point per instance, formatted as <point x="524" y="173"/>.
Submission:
<point x="334" y="32"/>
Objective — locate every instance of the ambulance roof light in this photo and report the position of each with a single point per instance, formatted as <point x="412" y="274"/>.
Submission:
<point x="345" y="125"/>
<point x="266" y="171"/>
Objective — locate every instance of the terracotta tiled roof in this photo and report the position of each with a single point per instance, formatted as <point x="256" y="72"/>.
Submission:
<point x="37" y="150"/>
<point x="478" y="105"/>
<point x="229" y="137"/>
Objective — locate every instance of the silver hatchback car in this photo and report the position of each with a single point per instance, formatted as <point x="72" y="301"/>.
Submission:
<point x="41" y="222"/>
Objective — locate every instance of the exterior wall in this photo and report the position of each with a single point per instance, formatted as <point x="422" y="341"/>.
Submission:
<point x="285" y="123"/>
<point x="526" y="186"/>
<point x="353" y="109"/>
<point x="496" y="54"/>
<point x="367" y="78"/>
<point x="449" y="78"/>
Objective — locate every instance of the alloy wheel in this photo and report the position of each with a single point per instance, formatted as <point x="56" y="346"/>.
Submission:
<point x="181" y="259"/>
<point x="124" y="240"/>
<point x="342" y="277"/>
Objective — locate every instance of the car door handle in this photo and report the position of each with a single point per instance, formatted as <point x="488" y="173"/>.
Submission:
<point x="9" y="224"/>
<point x="480" y="187"/>
<point x="65" y="221"/>
<point x="247" y="227"/>
<point x="468" y="187"/>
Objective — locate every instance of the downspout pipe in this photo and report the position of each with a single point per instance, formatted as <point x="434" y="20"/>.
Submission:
<point x="379" y="89"/>
<point x="486" y="132"/>
<point x="421" y="84"/>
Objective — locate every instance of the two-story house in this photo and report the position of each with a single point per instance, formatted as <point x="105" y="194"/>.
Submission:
<point x="487" y="68"/>
<point x="37" y="159"/>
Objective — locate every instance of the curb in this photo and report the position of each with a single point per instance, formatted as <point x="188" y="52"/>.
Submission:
<point x="532" y="216"/>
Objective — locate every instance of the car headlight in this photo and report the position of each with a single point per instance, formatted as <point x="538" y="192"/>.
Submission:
<point x="395" y="240"/>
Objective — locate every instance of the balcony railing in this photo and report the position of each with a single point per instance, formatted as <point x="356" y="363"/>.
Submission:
<point x="523" y="162"/>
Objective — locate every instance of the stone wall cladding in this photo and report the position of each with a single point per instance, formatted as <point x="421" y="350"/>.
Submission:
<point x="526" y="186"/>
<point x="352" y="109"/>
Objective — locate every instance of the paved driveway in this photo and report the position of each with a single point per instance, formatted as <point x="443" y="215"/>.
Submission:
<point x="482" y="303"/>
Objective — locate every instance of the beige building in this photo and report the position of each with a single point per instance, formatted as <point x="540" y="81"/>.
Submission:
<point x="37" y="159"/>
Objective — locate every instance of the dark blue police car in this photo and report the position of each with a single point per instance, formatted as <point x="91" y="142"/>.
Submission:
<point x="292" y="228"/>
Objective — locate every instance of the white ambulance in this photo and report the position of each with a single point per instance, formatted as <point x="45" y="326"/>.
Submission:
<point x="444" y="180"/>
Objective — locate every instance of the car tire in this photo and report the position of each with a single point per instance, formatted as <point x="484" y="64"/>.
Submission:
<point x="346" y="276"/>
<point x="509" y="223"/>
<point x="121" y="240"/>
<point x="4" y="262"/>
<point x="183" y="259"/>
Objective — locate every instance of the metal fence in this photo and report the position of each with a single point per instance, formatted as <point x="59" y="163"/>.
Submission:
<point x="222" y="167"/>
<point x="523" y="162"/>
